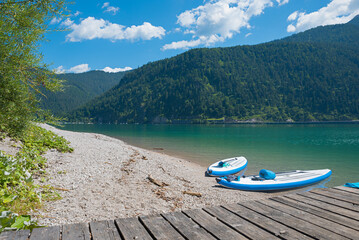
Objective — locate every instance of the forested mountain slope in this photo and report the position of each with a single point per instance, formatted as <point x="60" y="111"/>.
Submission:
<point x="344" y="34"/>
<point x="79" y="88"/>
<point x="295" y="78"/>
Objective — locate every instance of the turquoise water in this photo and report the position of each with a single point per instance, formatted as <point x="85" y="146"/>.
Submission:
<point x="274" y="147"/>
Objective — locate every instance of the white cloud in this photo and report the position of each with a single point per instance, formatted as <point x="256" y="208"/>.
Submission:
<point x="109" y="8"/>
<point x="182" y="44"/>
<point x="282" y="2"/>
<point x="248" y="34"/>
<point x="59" y="70"/>
<point x="202" y="40"/>
<point x="55" y="20"/>
<point x="85" y="68"/>
<point x="67" y="23"/>
<point x="187" y="31"/>
<point x="145" y="31"/>
<point x="336" y="12"/>
<point x="77" y="13"/>
<point x="92" y="28"/>
<point x="80" y="68"/>
<point x="293" y="16"/>
<point x="186" y="18"/>
<point x="291" y="28"/>
<point x="115" y="70"/>
<point x="218" y="20"/>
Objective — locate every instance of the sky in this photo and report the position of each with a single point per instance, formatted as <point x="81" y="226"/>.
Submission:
<point x="119" y="35"/>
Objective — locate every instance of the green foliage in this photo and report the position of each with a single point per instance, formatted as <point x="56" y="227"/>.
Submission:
<point x="78" y="90"/>
<point x="16" y="183"/>
<point x="42" y="140"/>
<point x="18" y="192"/>
<point x="12" y="221"/>
<point x="310" y="79"/>
<point x="22" y="73"/>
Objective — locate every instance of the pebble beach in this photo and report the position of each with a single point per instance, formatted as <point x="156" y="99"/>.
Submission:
<point x="105" y="178"/>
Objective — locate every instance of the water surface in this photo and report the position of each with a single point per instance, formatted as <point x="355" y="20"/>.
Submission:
<point x="275" y="147"/>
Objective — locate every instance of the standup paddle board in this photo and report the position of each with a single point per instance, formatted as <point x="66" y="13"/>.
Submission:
<point x="280" y="181"/>
<point x="227" y="166"/>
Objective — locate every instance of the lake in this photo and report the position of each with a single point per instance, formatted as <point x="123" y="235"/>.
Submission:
<point x="277" y="147"/>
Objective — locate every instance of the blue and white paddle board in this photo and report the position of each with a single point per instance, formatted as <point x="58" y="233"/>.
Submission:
<point x="282" y="180"/>
<point x="227" y="166"/>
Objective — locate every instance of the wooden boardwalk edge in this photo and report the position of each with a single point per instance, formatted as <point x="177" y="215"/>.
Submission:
<point x="318" y="214"/>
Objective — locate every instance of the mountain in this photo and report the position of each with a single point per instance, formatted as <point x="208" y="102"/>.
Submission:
<point x="355" y="21"/>
<point x="343" y="34"/>
<point x="310" y="76"/>
<point x="79" y="88"/>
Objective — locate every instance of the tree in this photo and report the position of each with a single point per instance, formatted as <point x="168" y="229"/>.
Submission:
<point x="23" y="75"/>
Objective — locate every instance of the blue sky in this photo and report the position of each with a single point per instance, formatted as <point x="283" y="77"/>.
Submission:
<point x="117" y="35"/>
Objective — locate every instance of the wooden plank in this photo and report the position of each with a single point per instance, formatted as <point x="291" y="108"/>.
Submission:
<point x="319" y="212"/>
<point x="313" y="219"/>
<point x="353" y="195"/>
<point x="242" y="226"/>
<point x="15" y="235"/>
<point x="131" y="228"/>
<point x="333" y="201"/>
<point x="159" y="228"/>
<point x="348" y="189"/>
<point x="7" y="235"/>
<point x="104" y="230"/>
<point x="212" y="225"/>
<point x="78" y="231"/>
<point x="22" y="235"/>
<point x="266" y="223"/>
<point x="48" y="233"/>
<point x="341" y="196"/>
<point x="186" y="226"/>
<point x="326" y="206"/>
<point x="293" y="222"/>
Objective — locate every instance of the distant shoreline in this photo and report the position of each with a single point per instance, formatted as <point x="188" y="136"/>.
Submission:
<point x="227" y="123"/>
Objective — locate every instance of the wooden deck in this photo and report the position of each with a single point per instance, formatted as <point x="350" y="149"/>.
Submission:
<point x="319" y="214"/>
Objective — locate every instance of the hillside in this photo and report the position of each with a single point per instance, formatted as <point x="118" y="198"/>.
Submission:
<point x="296" y="78"/>
<point x="79" y="88"/>
<point x="343" y="34"/>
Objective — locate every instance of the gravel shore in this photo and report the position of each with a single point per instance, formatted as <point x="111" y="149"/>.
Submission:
<point x="105" y="178"/>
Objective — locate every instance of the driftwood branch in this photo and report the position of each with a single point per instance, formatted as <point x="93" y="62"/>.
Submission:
<point x="197" y="194"/>
<point x="156" y="182"/>
<point x="61" y="189"/>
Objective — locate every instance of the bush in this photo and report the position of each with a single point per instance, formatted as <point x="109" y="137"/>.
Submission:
<point x="12" y="221"/>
